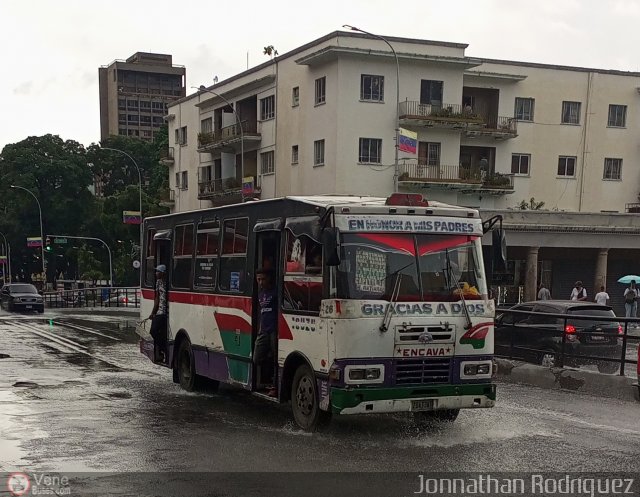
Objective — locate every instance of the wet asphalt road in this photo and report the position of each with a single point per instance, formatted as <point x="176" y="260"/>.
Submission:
<point x="78" y="397"/>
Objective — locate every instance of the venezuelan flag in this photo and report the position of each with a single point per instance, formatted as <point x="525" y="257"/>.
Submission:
<point x="408" y="141"/>
<point x="131" y="217"/>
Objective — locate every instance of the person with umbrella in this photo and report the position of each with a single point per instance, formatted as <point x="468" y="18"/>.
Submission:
<point x="631" y="300"/>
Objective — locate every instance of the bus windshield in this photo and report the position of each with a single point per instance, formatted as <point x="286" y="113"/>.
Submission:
<point x="420" y="267"/>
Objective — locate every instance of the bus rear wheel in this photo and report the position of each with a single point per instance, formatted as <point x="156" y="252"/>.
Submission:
<point x="186" y="367"/>
<point x="305" y="403"/>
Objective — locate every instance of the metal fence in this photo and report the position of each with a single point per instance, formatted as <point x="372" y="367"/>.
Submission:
<point x="93" y="297"/>
<point x="610" y="343"/>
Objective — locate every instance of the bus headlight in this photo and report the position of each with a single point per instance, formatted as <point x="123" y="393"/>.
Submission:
<point x="475" y="370"/>
<point x="364" y="374"/>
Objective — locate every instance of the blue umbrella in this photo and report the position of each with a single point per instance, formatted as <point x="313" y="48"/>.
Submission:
<point x="629" y="278"/>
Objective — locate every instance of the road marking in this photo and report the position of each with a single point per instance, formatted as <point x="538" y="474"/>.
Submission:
<point x="76" y="347"/>
<point x="88" y="330"/>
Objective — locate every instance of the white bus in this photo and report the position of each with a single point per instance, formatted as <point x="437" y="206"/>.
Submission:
<point x="382" y="303"/>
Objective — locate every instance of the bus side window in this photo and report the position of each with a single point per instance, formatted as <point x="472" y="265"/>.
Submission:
<point x="150" y="264"/>
<point x="233" y="261"/>
<point x="182" y="257"/>
<point x="303" y="274"/>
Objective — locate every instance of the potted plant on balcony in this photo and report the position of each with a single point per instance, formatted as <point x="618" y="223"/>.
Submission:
<point x="232" y="183"/>
<point x="497" y="180"/>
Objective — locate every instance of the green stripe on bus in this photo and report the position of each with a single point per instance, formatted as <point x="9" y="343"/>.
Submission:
<point x="238" y="344"/>
<point x="342" y="398"/>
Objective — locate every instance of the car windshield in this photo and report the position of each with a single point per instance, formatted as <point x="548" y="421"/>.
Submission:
<point x="420" y="267"/>
<point x="23" y="289"/>
<point x="587" y="323"/>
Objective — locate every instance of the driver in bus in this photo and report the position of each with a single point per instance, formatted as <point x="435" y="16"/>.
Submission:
<point x="264" y="352"/>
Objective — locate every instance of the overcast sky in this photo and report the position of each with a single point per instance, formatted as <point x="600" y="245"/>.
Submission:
<point x="51" y="50"/>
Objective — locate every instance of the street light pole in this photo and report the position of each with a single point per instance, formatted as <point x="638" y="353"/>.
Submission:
<point x="139" y="187"/>
<point x="396" y="172"/>
<point x="8" y="247"/>
<point x="96" y="239"/>
<point x="205" y="89"/>
<point x="44" y="272"/>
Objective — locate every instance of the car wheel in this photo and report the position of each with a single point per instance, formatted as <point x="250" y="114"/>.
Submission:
<point x="547" y="359"/>
<point x="304" y="401"/>
<point x="427" y="419"/>
<point x="186" y="367"/>
<point x="608" y="367"/>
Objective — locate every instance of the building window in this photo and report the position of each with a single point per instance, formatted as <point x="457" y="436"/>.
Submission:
<point x="318" y="153"/>
<point x="267" y="108"/>
<point x="321" y="90"/>
<point x="431" y="92"/>
<point x="206" y="125"/>
<point x="267" y="163"/>
<point x="524" y="109"/>
<point x="371" y="88"/>
<point x="520" y="164"/>
<point x="429" y="153"/>
<point x="122" y="104"/>
<point x="294" y="154"/>
<point x="613" y="169"/>
<point x="178" y="180"/>
<point x="570" y="112"/>
<point x="567" y="166"/>
<point x="181" y="136"/>
<point x="132" y="105"/>
<point x="295" y="96"/>
<point x="617" y="116"/>
<point x="370" y="151"/>
<point x="184" y="180"/>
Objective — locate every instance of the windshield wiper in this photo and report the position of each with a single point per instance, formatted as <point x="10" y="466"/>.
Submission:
<point x="452" y="276"/>
<point x="384" y="327"/>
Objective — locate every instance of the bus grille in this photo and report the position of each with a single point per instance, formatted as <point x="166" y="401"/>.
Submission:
<point x="422" y="371"/>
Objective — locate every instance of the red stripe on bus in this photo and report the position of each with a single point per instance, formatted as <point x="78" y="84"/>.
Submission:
<point x="228" y="322"/>
<point x="205" y="299"/>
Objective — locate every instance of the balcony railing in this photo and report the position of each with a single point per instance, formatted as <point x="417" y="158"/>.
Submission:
<point x="227" y="134"/>
<point x="166" y="155"/>
<point x="451" y="113"/>
<point x="413" y="171"/>
<point x="501" y="124"/>
<point x="227" y="190"/>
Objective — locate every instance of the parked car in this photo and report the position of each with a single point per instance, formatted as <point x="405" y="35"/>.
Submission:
<point x="21" y="297"/>
<point x="538" y="338"/>
<point x="121" y="301"/>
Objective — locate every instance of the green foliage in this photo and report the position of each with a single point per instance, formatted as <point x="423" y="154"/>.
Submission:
<point x="60" y="174"/>
<point x="532" y="205"/>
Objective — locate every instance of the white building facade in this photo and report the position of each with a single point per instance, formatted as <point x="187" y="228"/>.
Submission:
<point x="321" y="119"/>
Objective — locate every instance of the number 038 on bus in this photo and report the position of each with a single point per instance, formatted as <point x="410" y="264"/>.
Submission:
<point x="336" y="304"/>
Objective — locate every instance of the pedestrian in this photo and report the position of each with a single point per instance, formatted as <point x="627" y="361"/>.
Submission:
<point x="158" y="316"/>
<point x="544" y="293"/>
<point x="264" y="352"/>
<point x="602" y="296"/>
<point x="579" y="292"/>
<point x="631" y="300"/>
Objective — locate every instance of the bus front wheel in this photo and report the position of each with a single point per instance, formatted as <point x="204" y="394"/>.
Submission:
<point x="304" y="401"/>
<point x="185" y="366"/>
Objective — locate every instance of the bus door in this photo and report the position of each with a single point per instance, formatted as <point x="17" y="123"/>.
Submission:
<point x="162" y="246"/>
<point x="267" y="257"/>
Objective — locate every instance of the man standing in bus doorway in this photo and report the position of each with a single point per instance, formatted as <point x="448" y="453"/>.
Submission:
<point x="159" y="316"/>
<point x="264" y="352"/>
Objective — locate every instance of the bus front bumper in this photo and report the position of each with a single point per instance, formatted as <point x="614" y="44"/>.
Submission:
<point x="408" y="399"/>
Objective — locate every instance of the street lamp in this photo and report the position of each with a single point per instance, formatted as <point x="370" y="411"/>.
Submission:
<point x="205" y="89"/>
<point x="44" y="273"/>
<point x="395" y="174"/>
<point x="8" y="247"/>
<point x="139" y="184"/>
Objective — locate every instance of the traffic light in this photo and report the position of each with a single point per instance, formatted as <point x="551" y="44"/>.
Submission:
<point x="47" y="245"/>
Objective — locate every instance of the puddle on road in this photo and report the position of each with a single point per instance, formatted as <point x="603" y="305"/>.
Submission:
<point x="4" y="356"/>
<point x="12" y="455"/>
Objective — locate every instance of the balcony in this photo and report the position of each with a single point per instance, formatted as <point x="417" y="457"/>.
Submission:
<point x="223" y="191"/>
<point x="168" y="199"/>
<point x="498" y="127"/>
<point x="417" y="175"/>
<point x="229" y="135"/>
<point x="166" y="156"/>
<point x="440" y="116"/>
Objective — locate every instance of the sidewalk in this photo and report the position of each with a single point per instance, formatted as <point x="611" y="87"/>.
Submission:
<point x="574" y="380"/>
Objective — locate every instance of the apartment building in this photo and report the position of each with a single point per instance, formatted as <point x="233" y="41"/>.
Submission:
<point x="135" y="93"/>
<point x="490" y="134"/>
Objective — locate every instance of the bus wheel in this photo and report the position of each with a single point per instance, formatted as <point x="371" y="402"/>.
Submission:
<point x="304" y="401"/>
<point x="186" y="367"/>
<point x="426" y="419"/>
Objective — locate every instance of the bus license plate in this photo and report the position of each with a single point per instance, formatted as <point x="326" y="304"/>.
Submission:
<point x="28" y="307"/>
<point x="598" y="338"/>
<point x="424" y="405"/>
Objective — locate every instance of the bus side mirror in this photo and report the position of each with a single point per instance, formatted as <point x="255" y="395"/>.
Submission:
<point x="330" y="243"/>
<point x="499" y="250"/>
